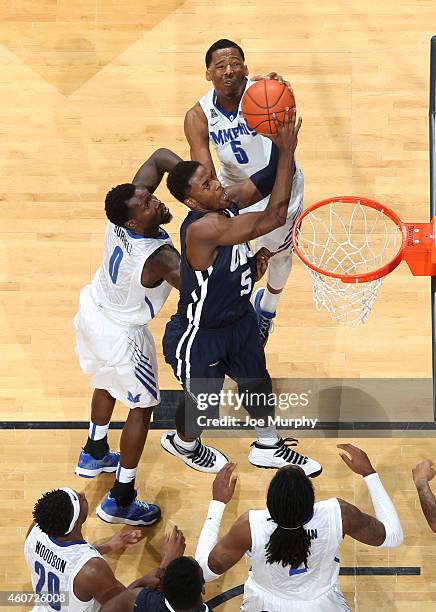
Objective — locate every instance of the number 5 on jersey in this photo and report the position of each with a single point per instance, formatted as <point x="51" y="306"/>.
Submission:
<point x="240" y="154"/>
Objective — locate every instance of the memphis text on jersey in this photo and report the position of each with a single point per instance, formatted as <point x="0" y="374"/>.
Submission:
<point x="220" y="137"/>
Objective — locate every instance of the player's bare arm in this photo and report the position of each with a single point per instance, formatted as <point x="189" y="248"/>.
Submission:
<point x="96" y="580"/>
<point x="151" y="172"/>
<point x="360" y="526"/>
<point x="163" y="264"/>
<point x="197" y="135"/>
<point x="232" y="547"/>
<point x="216" y="229"/>
<point x="423" y="473"/>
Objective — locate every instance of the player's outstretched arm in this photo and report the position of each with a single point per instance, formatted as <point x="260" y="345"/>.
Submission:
<point x="422" y="474"/>
<point x="197" y="135"/>
<point x="151" y="172"/>
<point x="384" y="529"/>
<point x="215" y="230"/>
<point x="214" y="557"/>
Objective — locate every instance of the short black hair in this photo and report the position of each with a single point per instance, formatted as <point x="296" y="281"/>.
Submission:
<point x="223" y="43"/>
<point x="179" y="177"/>
<point x="53" y="512"/>
<point x="182" y="583"/>
<point x="115" y="204"/>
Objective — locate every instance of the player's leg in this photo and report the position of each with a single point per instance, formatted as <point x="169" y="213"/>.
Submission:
<point x="265" y="300"/>
<point x="96" y="456"/>
<point x="279" y="242"/>
<point x="121" y="504"/>
<point x="134" y="382"/>
<point x="95" y="341"/>
<point x="197" y="364"/>
<point x="248" y="368"/>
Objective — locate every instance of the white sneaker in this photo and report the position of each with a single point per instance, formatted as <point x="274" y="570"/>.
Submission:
<point x="280" y="455"/>
<point x="202" y="458"/>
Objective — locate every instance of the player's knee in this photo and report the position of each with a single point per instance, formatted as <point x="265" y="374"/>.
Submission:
<point x="141" y="415"/>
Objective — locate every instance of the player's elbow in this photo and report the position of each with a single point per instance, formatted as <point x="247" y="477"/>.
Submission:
<point x="394" y="537"/>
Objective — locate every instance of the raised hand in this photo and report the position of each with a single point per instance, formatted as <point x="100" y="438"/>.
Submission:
<point x="286" y="137"/>
<point x="224" y="484"/>
<point x="356" y="459"/>
<point x="423" y="472"/>
<point x="173" y="546"/>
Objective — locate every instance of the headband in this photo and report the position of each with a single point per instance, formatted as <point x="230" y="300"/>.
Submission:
<point x="74" y="498"/>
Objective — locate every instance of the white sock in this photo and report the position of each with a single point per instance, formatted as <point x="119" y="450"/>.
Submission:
<point x="97" y="432"/>
<point x="188" y="446"/>
<point x="125" y="474"/>
<point x="269" y="301"/>
<point x="267" y="436"/>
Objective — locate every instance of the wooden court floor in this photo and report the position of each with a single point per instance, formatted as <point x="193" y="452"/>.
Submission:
<point x="88" y="89"/>
<point x="36" y="461"/>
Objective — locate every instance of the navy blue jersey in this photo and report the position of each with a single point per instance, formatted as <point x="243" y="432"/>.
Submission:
<point x="149" y="600"/>
<point x="220" y="295"/>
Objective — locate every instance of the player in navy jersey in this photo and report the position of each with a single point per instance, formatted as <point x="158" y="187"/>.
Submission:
<point x="217" y="119"/>
<point x="139" y="268"/>
<point x="214" y="332"/>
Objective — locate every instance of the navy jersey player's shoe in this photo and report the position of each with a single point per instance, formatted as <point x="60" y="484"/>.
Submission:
<point x="137" y="513"/>
<point x="264" y="318"/>
<point x="202" y="458"/>
<point x="88" y="466"/>
<point x="280" y="455"/>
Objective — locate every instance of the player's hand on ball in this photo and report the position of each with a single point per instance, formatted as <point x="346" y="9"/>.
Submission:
<point x="358" y="461"/>
<point x="262" y="257"/>
<point x="287" y="132"/>
<point x="224" y="484"/>
<point x="275" y="77"/>
<point x="423" y="472"/>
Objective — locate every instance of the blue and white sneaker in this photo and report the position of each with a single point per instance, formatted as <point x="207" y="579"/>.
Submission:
<point x="137" y="513"/>
<point x="88" y="466"/>
<point x="264" y="318"/>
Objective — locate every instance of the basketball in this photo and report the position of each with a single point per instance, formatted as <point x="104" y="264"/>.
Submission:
<point x="261" y="100"/>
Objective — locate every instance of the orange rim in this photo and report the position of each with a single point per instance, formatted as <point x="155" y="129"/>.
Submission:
<point x="356" y="278"/>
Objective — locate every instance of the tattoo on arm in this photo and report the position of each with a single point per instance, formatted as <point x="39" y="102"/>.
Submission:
<point x="428" y="504"/>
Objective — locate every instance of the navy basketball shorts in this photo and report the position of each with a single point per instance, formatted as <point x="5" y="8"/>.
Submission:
<point x="202" y="357"/>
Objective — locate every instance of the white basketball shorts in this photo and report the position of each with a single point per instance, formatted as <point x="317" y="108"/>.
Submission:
<point x="279" y="241"/>
<point x="256" y="599"/>
<point x="121" y="357"/>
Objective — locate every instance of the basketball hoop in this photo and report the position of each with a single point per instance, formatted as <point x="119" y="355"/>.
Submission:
<point x="350" y="244"/>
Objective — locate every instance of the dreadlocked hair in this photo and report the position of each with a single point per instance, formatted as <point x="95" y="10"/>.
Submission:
<point x="53" y="512"/>
<point x="115" y="204"/>
<point x="290" y="503"/>
<point x="182" y="583"/>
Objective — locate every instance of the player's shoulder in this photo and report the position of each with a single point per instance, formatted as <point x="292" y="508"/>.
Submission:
<point x="195" y="112"/>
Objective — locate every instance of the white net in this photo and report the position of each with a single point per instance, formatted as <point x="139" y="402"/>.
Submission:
<point x="347" y="238"/>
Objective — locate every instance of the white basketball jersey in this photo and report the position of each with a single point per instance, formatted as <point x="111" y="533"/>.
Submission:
<point x="53" y="566"/>
<point x="116" y="287"/>
<point x="241" y="150"/>
<point x="301" y="584"/>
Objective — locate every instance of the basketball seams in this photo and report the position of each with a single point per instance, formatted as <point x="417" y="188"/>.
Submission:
<point x="260" y="108"/>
